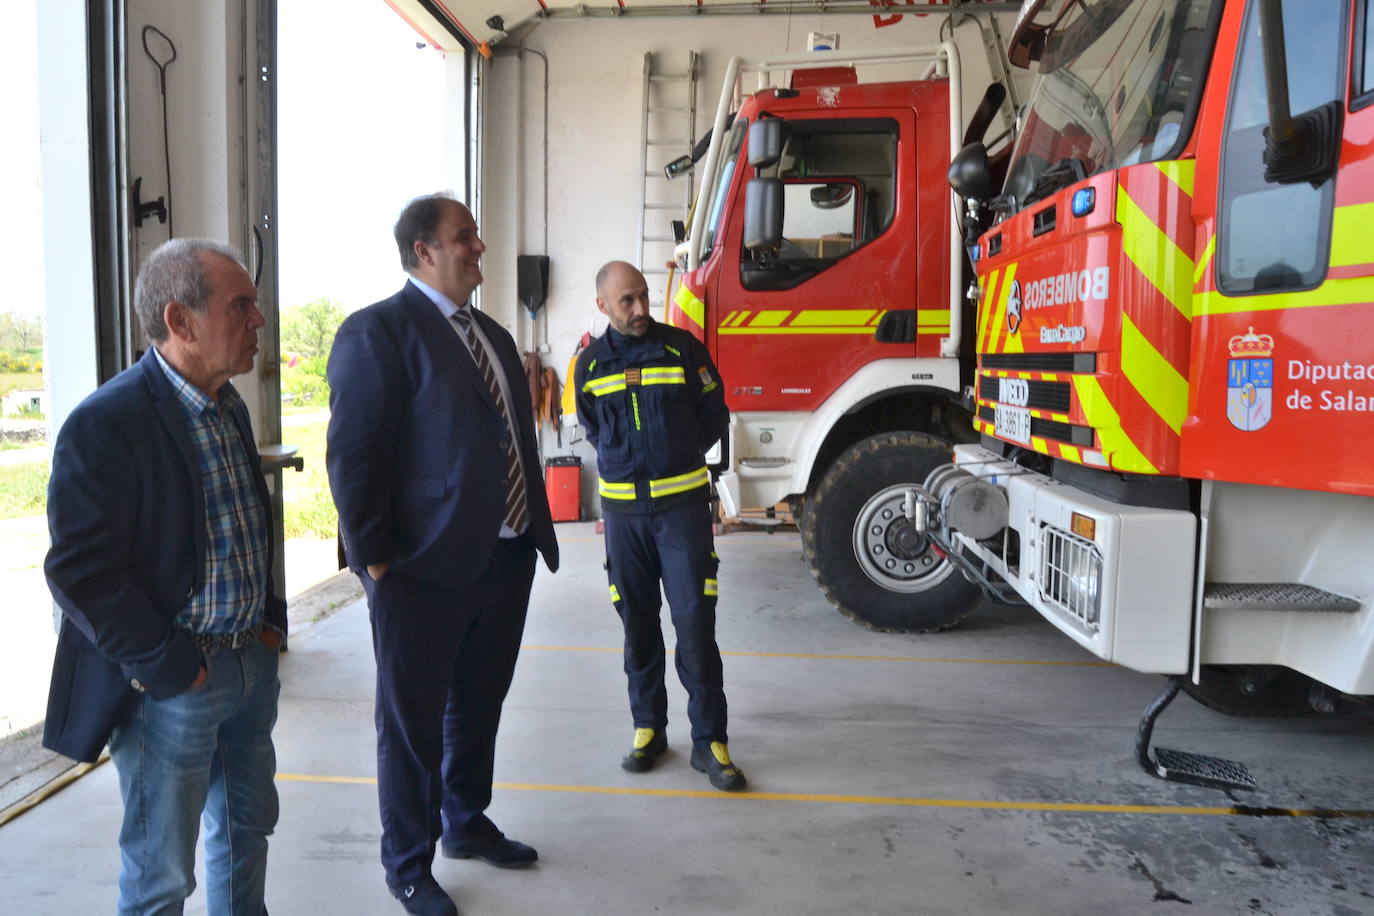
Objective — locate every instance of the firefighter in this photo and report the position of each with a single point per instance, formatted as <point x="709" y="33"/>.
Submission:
<point x="652" y="403"/>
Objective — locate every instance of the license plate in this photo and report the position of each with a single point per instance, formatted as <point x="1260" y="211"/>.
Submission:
<point x="1012" y="423"/>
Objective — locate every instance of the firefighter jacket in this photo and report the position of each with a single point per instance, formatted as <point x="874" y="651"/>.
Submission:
<point x="651" y="406"/>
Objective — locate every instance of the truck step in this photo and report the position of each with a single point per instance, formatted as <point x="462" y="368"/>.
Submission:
<point x="1275" y="596"/>
<point x="1184" y="766"/>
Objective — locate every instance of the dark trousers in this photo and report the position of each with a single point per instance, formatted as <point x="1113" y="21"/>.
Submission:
<point x="675" y="548"/>
<point x="444" y="664"/>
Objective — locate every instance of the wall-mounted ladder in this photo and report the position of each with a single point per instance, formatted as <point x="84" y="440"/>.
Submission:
<point x="668" y="130"/>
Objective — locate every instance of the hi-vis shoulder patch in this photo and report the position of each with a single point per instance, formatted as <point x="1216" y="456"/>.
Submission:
<point x="707" y="383"/>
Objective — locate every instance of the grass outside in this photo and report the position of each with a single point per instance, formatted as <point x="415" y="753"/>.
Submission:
<point x="23" y="489"/>
<point x="15" y="381"/>
<point x="308" y="507"/>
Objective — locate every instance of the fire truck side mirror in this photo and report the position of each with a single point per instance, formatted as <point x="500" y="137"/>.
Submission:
<point x="969" y="174"/>
<point x="763" y="214"/>
<point x="765" y="143"/>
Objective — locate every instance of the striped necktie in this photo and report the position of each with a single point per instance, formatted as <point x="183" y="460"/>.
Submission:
<point x="515" y="481"/>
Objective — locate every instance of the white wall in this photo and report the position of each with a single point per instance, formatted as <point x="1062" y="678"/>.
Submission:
<point x="594" y="112"/>
<point x="211" y="119"/>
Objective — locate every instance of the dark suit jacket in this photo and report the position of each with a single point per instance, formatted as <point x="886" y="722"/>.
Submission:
<point x="126" y="515"/>
<point x="416" y="451"/>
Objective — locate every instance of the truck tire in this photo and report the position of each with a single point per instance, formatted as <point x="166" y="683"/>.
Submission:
<point x="1252" y="691"/>
<point x="870" y="562"/>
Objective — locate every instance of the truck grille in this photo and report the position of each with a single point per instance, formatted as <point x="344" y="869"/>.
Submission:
<point x="1081" y="436"/>
<point x="1071" y="575"/>
<point x="1081" y="363"/>
<point x="1043" y="395"/>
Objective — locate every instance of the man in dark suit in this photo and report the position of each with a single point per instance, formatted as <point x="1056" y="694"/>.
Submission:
<point x="161" y="564"/>
<point x="434" y="468"/>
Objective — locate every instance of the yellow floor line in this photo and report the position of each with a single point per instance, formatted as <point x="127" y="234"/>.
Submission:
<point x="851" y="658"/>
<point x="887" y="800"/>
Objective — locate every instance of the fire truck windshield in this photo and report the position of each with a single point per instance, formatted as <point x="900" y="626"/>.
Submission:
<point x="1116" y="87"/>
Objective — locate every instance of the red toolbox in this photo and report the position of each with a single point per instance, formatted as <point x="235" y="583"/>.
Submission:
<point x="563" y="481"/>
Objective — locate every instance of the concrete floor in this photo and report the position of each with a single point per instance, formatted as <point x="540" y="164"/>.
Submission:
<point x="984" y="770"/>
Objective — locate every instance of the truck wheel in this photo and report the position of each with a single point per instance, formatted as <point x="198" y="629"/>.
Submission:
<point x="1252" y="690"/>
<point x="869" y="560"/>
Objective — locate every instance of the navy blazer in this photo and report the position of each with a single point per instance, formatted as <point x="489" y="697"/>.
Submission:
<point x="126" y="516"/>
<point x="416" y="444"/>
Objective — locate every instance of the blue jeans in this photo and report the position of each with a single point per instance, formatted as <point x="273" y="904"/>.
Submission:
<point x="207" y="752"/>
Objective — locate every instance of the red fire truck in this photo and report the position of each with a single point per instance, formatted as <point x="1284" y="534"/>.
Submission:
<point x="1175" y="376"/>
<point x="822" y="271"/>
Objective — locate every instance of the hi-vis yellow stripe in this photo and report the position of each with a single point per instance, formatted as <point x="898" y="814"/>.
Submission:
<point x="607" y="384"/>
<point x="932" y="321"/>
<point x="1011" y="342"/>
<point x="615" y="490"/>
<point x="1351" y="291"/>
<point x="710" y="588"/>
<point x="662" y="375"/>
<point x="985" y="310"/>
<point x="615" y="594"/>
<point x="1351" y="231"/>
<point x="1207" y="253"/>
<point x="1180" y="172"/>
<point x="1164" y="264"/>
<point x="1159" y="383"/>
<point x="802" y="321"/>
<point x="691" y="306"/>
<point x="1121" y="452"/>
<point x="667" y="486"/>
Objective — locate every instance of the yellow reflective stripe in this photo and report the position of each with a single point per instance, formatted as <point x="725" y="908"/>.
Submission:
<point x="932" y="316"/>
<point x="1180" y="172"/>
<point x="710" y="589"/>
<point x="833" y="317"/>
<point x="1039" y="445"/>
<point x="1207" y="253"/>
<point x="714" y="555"/>
<point x="985" y="311"/>
<point x="615" y="594"/>
<point x="667" y="486"/>
<point x="607" y="384"/>
<point x="1351" y="229"/>
<point x="1163" y="263"/>
<point x="615" y="490"/>
<point x="754" y="329"/>
<point x="1349" y="291"/>
<point x="634" y="402"/>
<point x="768" y="318"/>
<point x="1159" y="383"/>
<point x="1070" y="453"/>
<point x="1121" y="452"/>
<point x="1012" y="342"/>
<point x="662" y="375"/>
<point x="690" y="305"/>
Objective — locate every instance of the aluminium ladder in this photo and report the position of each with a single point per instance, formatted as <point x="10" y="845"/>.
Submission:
<point x="667" y="130"/>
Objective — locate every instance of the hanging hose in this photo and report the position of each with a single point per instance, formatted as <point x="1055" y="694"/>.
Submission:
<point x="162" y="66"/>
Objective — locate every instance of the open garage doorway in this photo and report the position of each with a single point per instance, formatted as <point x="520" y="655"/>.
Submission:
<point x="365" y="121"/>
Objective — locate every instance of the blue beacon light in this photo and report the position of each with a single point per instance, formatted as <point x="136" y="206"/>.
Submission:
<point x="1084" y="199"/>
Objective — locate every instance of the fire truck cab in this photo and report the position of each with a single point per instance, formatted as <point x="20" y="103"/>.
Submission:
<point x="1175" y="389"/>
<point x="822" y="272"/>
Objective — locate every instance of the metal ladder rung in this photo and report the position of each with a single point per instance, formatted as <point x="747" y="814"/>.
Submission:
<point x="670" y="77"/>
<point x="659" y="238"/>
<point x="671" y="116"/>
<point x="663" y="206"/>
<point x="652" y="141"/>
<point x="653" y="110"/>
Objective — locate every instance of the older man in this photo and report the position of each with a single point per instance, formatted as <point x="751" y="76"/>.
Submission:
<point x="161" y="564"/>
<point x="435" y="471"/>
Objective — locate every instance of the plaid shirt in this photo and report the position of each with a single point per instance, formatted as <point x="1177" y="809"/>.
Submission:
<point x="234" y="591"/>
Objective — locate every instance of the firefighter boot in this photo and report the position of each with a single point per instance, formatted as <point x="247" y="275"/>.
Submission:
<point x="714" y="761"/>
<point x="649" y="743"/>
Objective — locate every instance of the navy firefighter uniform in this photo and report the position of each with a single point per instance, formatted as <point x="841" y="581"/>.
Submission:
<point x="653" y="405"/>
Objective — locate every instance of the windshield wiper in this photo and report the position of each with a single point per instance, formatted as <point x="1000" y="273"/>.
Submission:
<point x="1060" y="175"/>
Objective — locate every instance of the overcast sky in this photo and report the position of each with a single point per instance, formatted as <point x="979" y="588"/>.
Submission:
<point x="360" y="132"/>
<point x="360" y="122"/>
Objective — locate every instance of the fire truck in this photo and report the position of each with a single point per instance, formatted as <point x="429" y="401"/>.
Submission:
<point x="1175" y="377"/>
<point x="822" y="271"/>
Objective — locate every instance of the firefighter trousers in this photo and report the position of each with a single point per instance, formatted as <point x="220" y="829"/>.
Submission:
<point x="674" y="547"/>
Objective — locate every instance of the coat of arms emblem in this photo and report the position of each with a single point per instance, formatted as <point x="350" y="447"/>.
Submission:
<point x="1250" y="380"/>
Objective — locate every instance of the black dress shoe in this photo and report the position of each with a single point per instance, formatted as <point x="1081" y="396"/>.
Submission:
<point x="498" y="850"/>
<point x="424" y="897"/>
